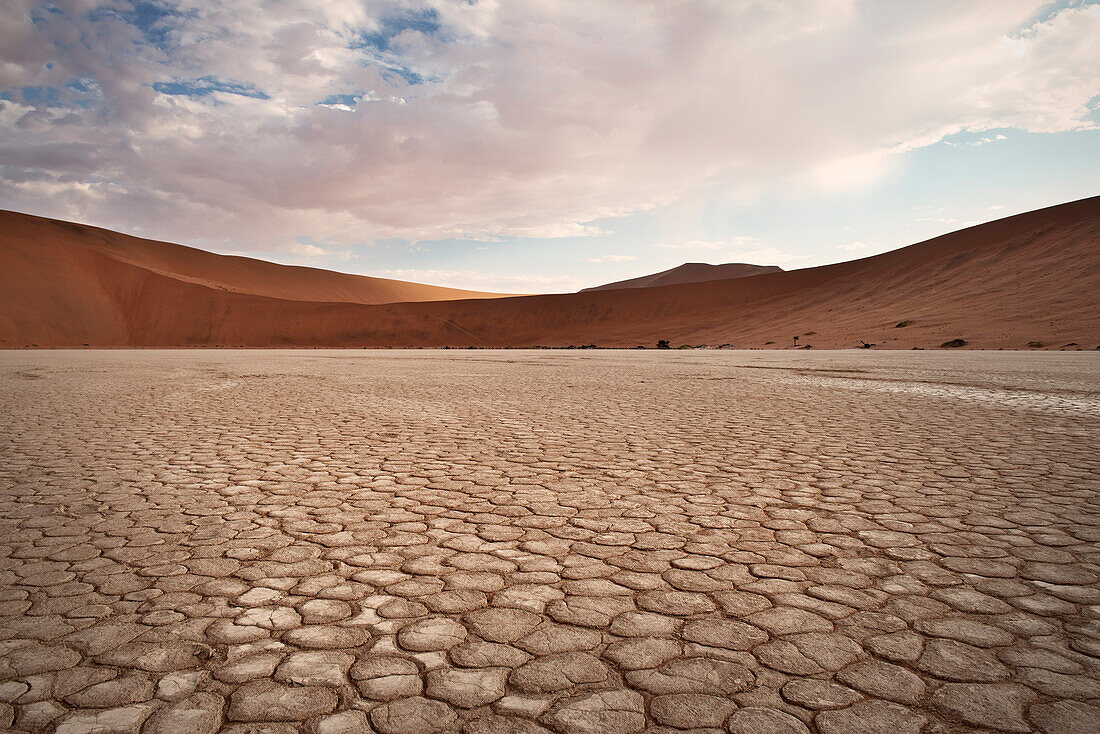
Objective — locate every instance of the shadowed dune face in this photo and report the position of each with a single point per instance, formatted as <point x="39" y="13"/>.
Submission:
<point x="689" y="273"/>
<point x="1029" y="278"/>
<point x="64" y="281"/>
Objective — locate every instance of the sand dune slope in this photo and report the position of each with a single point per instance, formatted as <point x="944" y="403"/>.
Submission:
<point x="689" y="273"/>
<point x="65" y="281"/>
<point x="1034" y="277"/>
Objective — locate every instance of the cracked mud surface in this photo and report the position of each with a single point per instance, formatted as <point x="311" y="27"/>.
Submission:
<point x="611" y="542"/>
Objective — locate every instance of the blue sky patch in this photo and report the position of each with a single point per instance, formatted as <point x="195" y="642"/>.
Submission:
<point x="207" y="85"/>
<point x="425" y="21"/>
<point x="40" y="14"/>
<point x="42" y="96"/>
<point x="347" y="100"/>
<point x="81" y="85"/>
<point x="1094" y="110"/>
<point x="1054" y="7"/>
<point x="153" y="19"/>
<point x="405" y="74"/>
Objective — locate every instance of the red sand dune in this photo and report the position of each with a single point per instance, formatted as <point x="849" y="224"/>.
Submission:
<point x="689" y="273"/>
<point x="1028" y="278"/>
<point x="66" y="281"/>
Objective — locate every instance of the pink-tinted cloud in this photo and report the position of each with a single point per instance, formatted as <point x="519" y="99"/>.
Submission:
<point x="347" y="121"/>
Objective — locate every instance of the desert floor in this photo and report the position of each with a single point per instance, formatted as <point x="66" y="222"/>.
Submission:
<point x="517" y="541"/>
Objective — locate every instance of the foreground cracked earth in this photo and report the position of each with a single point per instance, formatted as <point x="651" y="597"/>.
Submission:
<point x="412" y="542"/>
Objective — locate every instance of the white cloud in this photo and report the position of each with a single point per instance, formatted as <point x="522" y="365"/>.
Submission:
<point x="611" y="259"/>
<point x="481" y="281"/>
<point x="708" y="244"/>
<point x="770" y="256"/>
<point x="742" y="249"/>
<point x="980" y="141"/>
<point x="308" y="250"/>
<point x="850" y="246"/>
<point x="522" y="228"/>
<point x="851" y="172"/>
<point x="346" y="120"/>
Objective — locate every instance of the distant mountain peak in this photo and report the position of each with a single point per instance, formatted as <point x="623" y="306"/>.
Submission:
<point x="689" y="273"/>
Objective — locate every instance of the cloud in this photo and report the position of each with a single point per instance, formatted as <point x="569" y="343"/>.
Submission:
<point x="771" y="256"/>
<point x="850" y="246"/>
<point x="743" y="248"/>
<point x="978" y="141"/>
<point x="346" y="120"/>
<point x="851" y="172"/>
<point x="708" y="244"/>
<point x="208" y="85"/>
<point x="481" y="281"/>
<point x="553" y="230"/>
<point x="308" y="249"/>
<point x="611" y="259"/>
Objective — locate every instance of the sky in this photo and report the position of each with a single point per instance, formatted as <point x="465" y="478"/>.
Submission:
<point x="534" y="146"/>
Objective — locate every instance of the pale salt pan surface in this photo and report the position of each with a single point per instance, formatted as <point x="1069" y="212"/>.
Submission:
<point x="526" y="541"/>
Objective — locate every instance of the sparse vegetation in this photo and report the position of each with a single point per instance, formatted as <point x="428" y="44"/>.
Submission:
<point x="663" y="344"/>
<point x="902" y="324"/>
<point x="1036" y="345"/>
<point x="684" y="346"/>
<point x="954" y="343"/>
<point x="864" y="345"/>
<point x="769" y="342"/>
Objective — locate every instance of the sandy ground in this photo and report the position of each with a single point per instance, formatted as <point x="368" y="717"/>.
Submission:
<point x="531" y="541"/>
